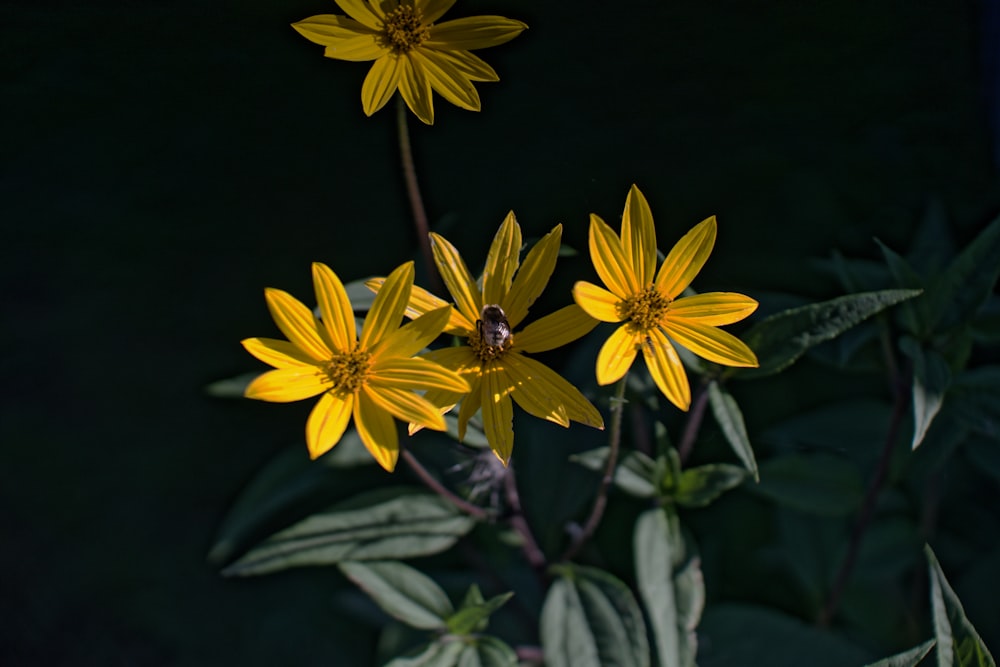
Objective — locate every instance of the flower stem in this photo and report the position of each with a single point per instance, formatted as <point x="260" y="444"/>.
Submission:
<point x="693" y="424"/>
<point x="600" y="502"/>
<point x="534" y="553"/>
<point x="437" y="487"/>
<point x="413" y="193"/>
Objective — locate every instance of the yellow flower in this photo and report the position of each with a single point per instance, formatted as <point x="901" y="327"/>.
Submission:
<point x="486" y="314"/>
<point x="373" y="377"/>
<point x="653" y="312"/>
<point x="410" y="51"/>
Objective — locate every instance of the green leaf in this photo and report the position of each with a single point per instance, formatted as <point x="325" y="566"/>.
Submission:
<point x="475" y="612"/>
<point x="440" y="653"/>
<point x="913" y="316"/>
<point x="591" y="619"/>
<point x="976" y="396"/>
<point x="701" y="485"/>
<point x="377" y="525"/>
<point x="636" y="474"/>
<point x="233" y="387"/>
<point x="403" y="592"/>
<point x="730" y="420"/>
<point x="817" y="484"/>
<point x="958" y="643"/>
<point x="967" y="282"/>
<point x="488" y="651"/>
<point x="673" y="605"/>
<point x="910" y="658"/>
<point x="779" y="340"/>
<point x="931" y="378"/>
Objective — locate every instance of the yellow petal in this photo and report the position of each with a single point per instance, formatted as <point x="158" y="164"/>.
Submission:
<point x="472" y="66"/>
<point x="554" y="387"/>
<point x="288" y="384"/>
<point x="377" y="430"/>
<point x="498" y="413"/>
<point x="415" y="88"/>
<point x="614" y="268"/>
<point x="422" y="301"/>
<point x="502" y="261"/>
<point x="666" y="369"/>
<point x="711" y="343"/>
<point x="413" y="337"/>
<point x="407" y="406"/>
<point x="432" y="10"/>
<point x="327" y="422"/>
<point x="344" y="38"/>
<point x="457" y="278"/>
<point x="334" y="306"/>
<point x="532" y="277"/>
<point x="713" y="308"/>
<point x="533" y="395"/>
<point x="298" y="323"/>
<point x="368" y="14"/>
<point x="380" y="83"/>
<point x="277" y="353"/>
<point x="447" y="79"/>
<point x="616" y="355"/>
<point x="596" y="301"/>
<point x="444" y="401"/>
<point x="388" y="307"/>
<point x="473" y="32"/>
<point x="555" y="330"/>
<point x="416" y="373"/>
<point x="460" y="359"/>
<point x="639" y="236"/>
<point x="686" y="258"/>
<point x="470" y="404"/>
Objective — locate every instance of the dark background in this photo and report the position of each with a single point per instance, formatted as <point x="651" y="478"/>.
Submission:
<point x="163" y="162"/>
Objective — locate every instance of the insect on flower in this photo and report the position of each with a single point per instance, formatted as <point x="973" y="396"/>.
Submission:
<point x="493" y="327"/>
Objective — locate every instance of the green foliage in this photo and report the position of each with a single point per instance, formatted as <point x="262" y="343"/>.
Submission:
<point x="401" y="591"/>
<point x="958" y="643"/>
<point x="910" y="658"/>
<point x="730" y="419"/>
<point x="816" y="483"/>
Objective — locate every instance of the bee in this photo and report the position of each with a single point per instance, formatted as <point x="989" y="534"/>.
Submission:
<point x="493" y="327"/>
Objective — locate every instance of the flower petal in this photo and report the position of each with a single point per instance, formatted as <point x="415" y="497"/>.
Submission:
<point x="365" y="13"/>
<point x="415" y="88"/>
<point x="377" y="430"/>
<point x="502" y="261"/>
<point x="639" y="236"/>
<point x="686" y="258"/>
<point x="598" y="302"/>
<point x="532" y="277"/>
<point x="344" y="38"/>
<point x="432" y="10"/>
<point x="498" y="412"/>
<point x="610" y="261"/>
<point x="298" y="323"/>
<point x="327" y="422"/>
<point x="277" y="353"/>
<point x="711" y="343"/>
<point x="380" y="84"/>
<point x="713" y="308"/>
<point x="407" y="406"/>
<point x="473" y="32"/>
<point x="285" y="385"/>
<point x="457" y="278"/>
<point x="417" y="373"/>
<point x="460" y="359"/>
<point x="616" y="355"/>
<point x="471" y="65"/>
<point x="531" y="394"/>
<point x="470" y="404"/>
<point x="422" y="301"/>
<point x="549" y="391"/>
<point x="414" y="336"/>
<point x="555" y="330"/>
<point x="447" y="79"/>
<point x="666" y="369"/>
<point x="388" y="307"/>
<point x="334" y="306"/>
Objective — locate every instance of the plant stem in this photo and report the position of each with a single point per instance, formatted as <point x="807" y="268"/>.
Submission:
<point x="617" y="407"/>
<point x="899" y="409"/>
<point x="693" y="424"/>
<point x="437" y="487"/>
<point x="534" y="554"/>
<point x="413" y="193"/>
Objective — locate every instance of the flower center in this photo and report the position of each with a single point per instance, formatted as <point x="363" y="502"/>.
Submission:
<point x="487" y="352"/>
<point x="348" y="370"/>
<point x="644" y="310"/>
<point x="404" y="29"/>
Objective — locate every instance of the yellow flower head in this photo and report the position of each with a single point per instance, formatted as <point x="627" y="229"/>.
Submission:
<point x="486" y="314"/>
<point x="411" y="52"/>
<point x="651" y="309"/>
<point x="372" y="377"/>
